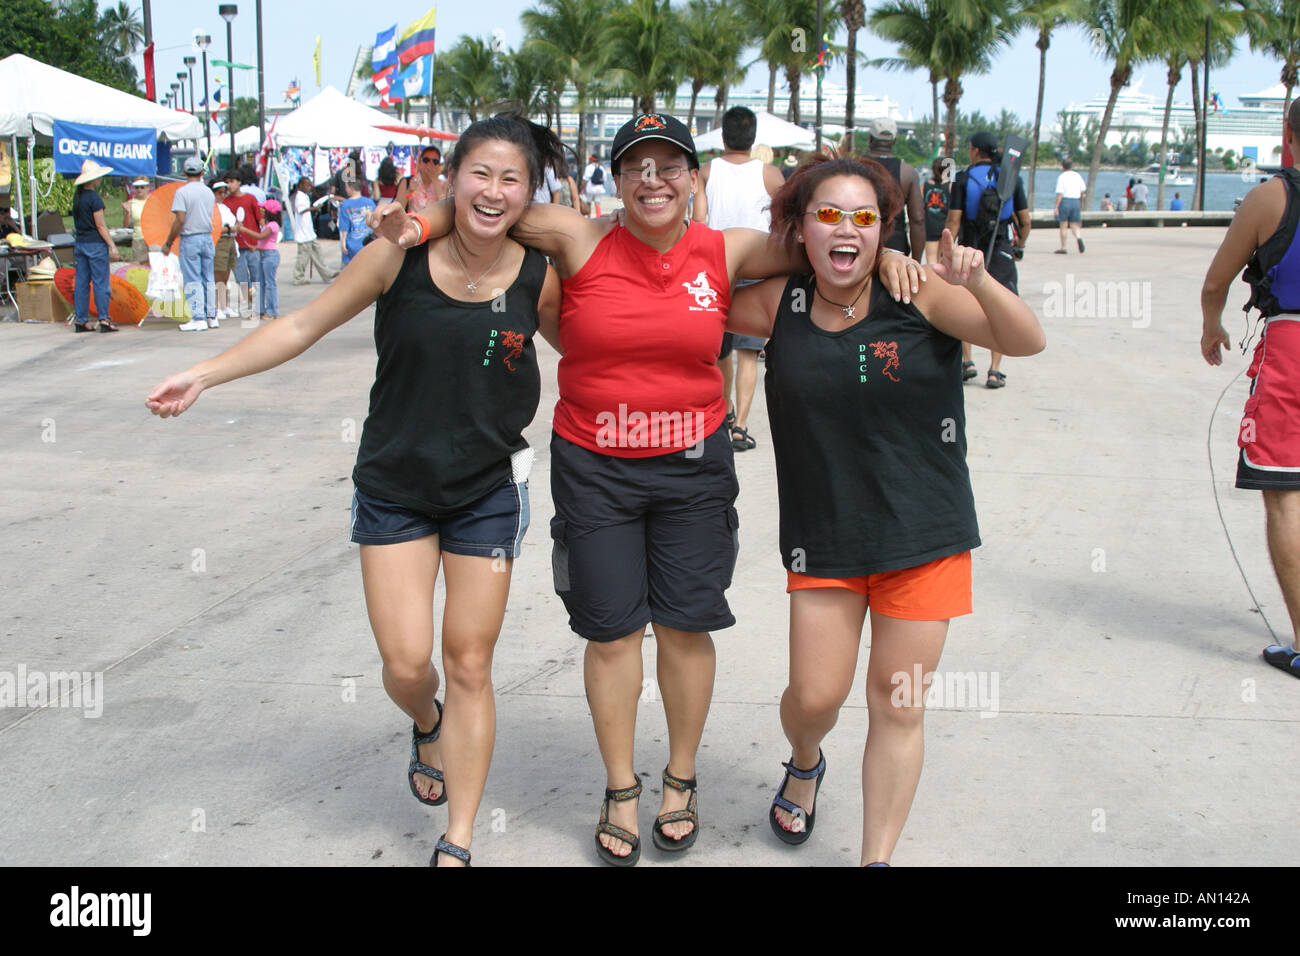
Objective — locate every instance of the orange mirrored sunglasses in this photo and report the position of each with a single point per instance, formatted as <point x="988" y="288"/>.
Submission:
<point x="832" y="216"/>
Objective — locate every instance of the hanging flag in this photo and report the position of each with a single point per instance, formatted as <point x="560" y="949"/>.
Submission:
<point x="385" y="52"/>
<point x="293" y="94"/>
<point x="265" y="152"/>
<point x="148" y="72"/>
<point x="219" y="95"/>
<point x="417" y="79"/>
<point x="384" y="79"/>
<point x="227" y="65"/>
<point x="315" y="59"/>
<point x="417" y="39"/>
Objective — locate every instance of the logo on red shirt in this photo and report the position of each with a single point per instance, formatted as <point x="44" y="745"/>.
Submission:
<point x="704" y="295"/>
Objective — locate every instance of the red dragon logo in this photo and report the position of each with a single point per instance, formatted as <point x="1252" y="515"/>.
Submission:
<point x="650" y="121"/>
<point x="889" y="352"/>
<point x="514" y="341"/>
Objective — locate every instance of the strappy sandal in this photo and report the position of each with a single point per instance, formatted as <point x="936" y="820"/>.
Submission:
<point x="107" y="325"/>
<point x="996" y="379"/>
<point x="451" y="849"/>
<point x="968" y="371"/>
<point x="788" y="836"/>
<point x="662" y="840"/>
<point x="617" y="832"/>
<point x="417" y="740"/>
<point x="86" y="326"/>
<point x="744" y="442"/>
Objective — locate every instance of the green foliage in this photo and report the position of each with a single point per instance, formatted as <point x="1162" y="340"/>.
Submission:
<point x="72" y="39"/>
<point x="244" y="113"/>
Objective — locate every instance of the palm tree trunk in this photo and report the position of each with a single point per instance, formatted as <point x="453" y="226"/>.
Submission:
<point x="696" y="86"/>
<point x="850" y="86"/>
<point x="934" y="115"/>
<point x="792" y="78"/>
<point x="1118" y="79"/>
<point x="771" y="87"/>
<point x="719" y="102"/>
<point x="1174" y="77"/>
<point x="582" y="125"/>
<point x="951" y="96"/>
<point x="1197" y="113"/>
<point x="1044" y="41"/>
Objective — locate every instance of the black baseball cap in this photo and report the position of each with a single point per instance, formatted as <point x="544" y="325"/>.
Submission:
<point x="654" y="126"/>
<point x="985" y="142"/>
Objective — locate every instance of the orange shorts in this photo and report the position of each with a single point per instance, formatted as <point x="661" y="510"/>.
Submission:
<point x="935" y="591"/>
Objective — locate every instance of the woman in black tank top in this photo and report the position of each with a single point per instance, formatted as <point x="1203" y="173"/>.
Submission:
<point x="455" y="385"/>
<point x="865" y="401"/>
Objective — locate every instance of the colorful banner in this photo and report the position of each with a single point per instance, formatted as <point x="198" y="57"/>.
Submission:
<point x="417" y="39"/>
<point x="315" y="59"/>
<point x="148" y="73"/>
<point x="385" y="52"/>
<point x="127" y="150"/>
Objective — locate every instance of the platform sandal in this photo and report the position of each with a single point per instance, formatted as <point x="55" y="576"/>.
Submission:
<point x="417" y="740"/>
<point x="662" y="840"/>
<point x="617" y="832"/>
<point x="451" y="849"/>
<point x="789" y="836"/>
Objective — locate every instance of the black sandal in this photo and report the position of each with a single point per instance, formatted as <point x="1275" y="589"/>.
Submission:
<point x="417" y="739"/>
<point x="996" y="379"/>
<point x="107" y="325"/>
<point x="744" y="442"/>
<point x="617" y="832"/>
<point x="662" y="840"/>
<point x="85" y="326"/>
<point x="968" y="371"/>
<point x="451" y="849"/>
<point x="789" y="836"/>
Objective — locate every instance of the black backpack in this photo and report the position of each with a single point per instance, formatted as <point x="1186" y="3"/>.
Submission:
<point x="1272" y="251"/>
<point x="598" y="175"/>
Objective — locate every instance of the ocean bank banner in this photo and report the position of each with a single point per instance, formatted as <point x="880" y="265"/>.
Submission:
<point x="128" y="150"/>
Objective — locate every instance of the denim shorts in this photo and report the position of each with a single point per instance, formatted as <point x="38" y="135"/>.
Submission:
<point x="491" y="527"/>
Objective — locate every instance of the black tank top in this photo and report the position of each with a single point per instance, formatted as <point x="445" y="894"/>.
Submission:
<point x="898" y="239"/>
<point x="869" y="431"/>
<point x="455" y="385"/>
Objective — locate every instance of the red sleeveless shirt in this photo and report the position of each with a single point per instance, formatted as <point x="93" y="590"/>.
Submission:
<point x="641" y="334"/>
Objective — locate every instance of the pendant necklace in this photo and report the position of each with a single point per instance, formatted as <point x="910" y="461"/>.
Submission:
<point x="846" y="309"/>
<point x="472" y="284"/>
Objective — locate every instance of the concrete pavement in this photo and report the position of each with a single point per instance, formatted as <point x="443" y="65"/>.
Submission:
<point x="202" y="567"/>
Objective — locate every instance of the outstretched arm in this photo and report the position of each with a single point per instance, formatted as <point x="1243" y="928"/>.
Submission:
<point x="367" y="276"/>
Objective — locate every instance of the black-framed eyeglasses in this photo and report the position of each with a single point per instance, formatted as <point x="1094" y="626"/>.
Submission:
<point x="429" y="159"/>
<point x="638" y="174"/>
<point x="832" y="216"/>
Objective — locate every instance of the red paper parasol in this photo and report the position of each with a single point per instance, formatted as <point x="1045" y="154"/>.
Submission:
<point x="126" y="305"/>
<point x="424" y="132"/>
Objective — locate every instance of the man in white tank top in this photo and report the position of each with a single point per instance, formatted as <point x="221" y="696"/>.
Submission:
<point x="736" y="191"/>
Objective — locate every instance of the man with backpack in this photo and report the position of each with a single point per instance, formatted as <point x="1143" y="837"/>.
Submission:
<point x="1264" y="239"/>
<point x="908" y="236"/>
<point x="977" y="217"/>
<point x="593" y="186"/>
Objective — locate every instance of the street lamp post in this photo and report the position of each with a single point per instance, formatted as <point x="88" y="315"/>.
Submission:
<point x="261" y="91"/>
<point x="203" y="41"/>
<point x="189" y="62"/>
<point x="180" y="77"/>
<point x="228" y="13"/>
<point x="176" y="96"/>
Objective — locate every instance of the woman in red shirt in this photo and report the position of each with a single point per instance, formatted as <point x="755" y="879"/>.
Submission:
<point x="642" y="473"/>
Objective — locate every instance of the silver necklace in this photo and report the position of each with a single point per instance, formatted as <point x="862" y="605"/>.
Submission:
<point x="849" y="309"/>
<point x="472" y="284"/>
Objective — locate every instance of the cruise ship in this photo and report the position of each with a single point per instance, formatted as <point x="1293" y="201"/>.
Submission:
<point x="1252" y="130"/>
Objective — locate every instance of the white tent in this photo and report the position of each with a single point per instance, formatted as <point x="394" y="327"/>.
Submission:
<point x="247" y="140"/>
<point x="332" y="119"/>
<point x="772" y="131"/>
<point x="33" y="95"/>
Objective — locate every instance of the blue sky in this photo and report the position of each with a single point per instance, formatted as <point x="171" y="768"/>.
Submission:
<point x="1074" y="73"/>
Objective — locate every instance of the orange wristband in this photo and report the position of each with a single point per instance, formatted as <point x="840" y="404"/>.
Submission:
<point x="421" y="224"/>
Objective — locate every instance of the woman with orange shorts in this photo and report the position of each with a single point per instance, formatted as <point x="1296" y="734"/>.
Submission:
<point x="868" y="427"/>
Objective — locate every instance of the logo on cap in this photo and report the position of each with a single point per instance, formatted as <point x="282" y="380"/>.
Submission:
<point x="650" y="121"/>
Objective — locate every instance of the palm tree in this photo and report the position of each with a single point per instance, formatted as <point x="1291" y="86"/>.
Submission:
<point x="469" y="76"/>
<point x="1044" y="16"/>
<point x="854" y="16"/>
<point x="120" y="29"/>
<point x="972" y="32"/>
<point x="644" y="45"/>
<point x="569" y="33"/>
<point x="802" y="15"/>
<point x="1123" y="32"/>
<point x="770" y="30"/>
<point x="1181" y="27"/>
<point x="1274" y="28"/>
<point x="529" y="81"/>
<point x="914" y="25"/>
<point x="715" y="36"/>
